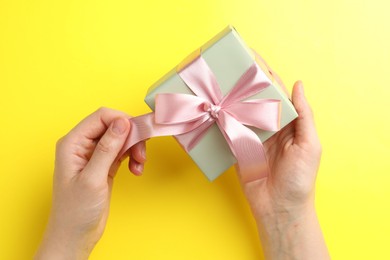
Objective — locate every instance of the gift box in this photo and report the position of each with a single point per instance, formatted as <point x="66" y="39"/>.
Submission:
<point x="228" y="57"/>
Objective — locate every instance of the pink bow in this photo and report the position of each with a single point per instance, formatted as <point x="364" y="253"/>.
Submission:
<point x="189" y="116"/>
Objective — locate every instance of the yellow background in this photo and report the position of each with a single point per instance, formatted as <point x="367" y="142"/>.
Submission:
<point x="61" y="60"/>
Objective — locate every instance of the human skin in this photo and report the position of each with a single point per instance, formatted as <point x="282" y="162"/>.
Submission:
<point x="85" y="167"/>
<point x="282" y="203"/>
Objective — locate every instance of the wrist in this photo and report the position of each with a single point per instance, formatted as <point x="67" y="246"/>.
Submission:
<point x="61" y="244"/>
<point x="292" y="233"/>
<point x="277" y="214"/>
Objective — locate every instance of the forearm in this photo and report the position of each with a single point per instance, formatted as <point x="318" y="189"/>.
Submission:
<point x="294" y="234"/>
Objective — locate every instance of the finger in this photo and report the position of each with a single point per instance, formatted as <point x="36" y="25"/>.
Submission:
<point x="138" y="152"/>
<point x="137" y="158"/>
<point x="273" y="74"/>
<point x="136" y="167"/>
<point x="305" y="131"/>
<point x="108" y="148"/>
<point x="96" y="124"/>
<point x="281" y="84"/>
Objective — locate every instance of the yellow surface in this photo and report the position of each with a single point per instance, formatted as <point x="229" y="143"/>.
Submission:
<point x="60" y="60"/>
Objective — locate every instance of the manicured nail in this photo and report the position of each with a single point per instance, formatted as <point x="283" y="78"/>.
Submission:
<point x="119" y="126"/>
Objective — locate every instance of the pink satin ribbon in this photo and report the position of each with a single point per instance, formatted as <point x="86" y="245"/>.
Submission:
<point x="188" y="117"/>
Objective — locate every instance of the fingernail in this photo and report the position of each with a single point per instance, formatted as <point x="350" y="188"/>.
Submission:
<point x="143" y="152"/>
<point x="301" y="87"/>
<point x="139" y="168"/>
<point x="119" y="126"/>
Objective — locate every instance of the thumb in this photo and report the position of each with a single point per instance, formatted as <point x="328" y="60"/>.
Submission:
<point x="108" y="148"/>
<point x="305" y="131"/>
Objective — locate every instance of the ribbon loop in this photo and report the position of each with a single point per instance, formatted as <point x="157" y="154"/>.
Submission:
<point x="188" y="117"/>
<point x="260" y="113"/>
<point x="178" y="108"/>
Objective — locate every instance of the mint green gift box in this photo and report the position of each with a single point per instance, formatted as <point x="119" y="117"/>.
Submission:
<point x="229" y="58"/>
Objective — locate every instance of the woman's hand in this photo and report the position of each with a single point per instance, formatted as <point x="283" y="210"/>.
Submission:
<point x="86" y="164"/>
<point x="283" y="203"/>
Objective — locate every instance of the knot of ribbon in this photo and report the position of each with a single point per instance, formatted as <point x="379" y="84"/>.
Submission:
<point x="188" y="117"/>
<point x="212" y="109"/>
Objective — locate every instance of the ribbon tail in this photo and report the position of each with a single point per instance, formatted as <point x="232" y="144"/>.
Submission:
<point x="246" y="147"/>
<point x="190" y="140"/>
<point x="144" y="127"/>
